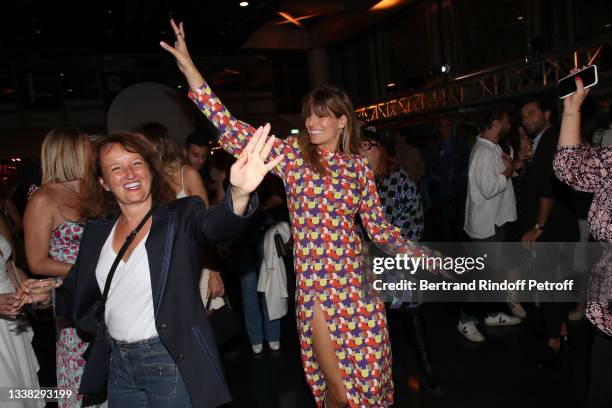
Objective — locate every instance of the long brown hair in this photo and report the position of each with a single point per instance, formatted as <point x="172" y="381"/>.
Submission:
<point x="98" y="202"/>
<point x="158" y="135"/>
<point x="324" y="101"/>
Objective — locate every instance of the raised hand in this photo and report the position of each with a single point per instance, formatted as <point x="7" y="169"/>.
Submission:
<point x="181" y="54"/>
<point x="250" y="169"/>
<point x="573" y="102"/>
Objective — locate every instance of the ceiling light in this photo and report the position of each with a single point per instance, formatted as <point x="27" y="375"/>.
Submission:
<point x="520" y="18"/>
<point x="385" y="4"/>
<point x="445" y="69"/>
<point x="244" y="3"/>
<point x="390" y="84"/>
<point x="608" y="25"/>
<point x="290" y="18"/>
<point x="295" y="131"/>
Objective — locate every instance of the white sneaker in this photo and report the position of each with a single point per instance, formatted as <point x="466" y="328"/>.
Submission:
<point x="470" y="331"/>
<point x="274" y="345"/>
<point x="501" y="319"/>
<point x="257" y="348"/>
<point x="517" y="310"/>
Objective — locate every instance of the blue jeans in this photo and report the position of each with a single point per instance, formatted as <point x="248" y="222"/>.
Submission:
<point x="253" y="301"/>
<point x="143" y="374"/>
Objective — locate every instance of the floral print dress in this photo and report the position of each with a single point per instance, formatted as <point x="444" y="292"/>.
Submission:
<point x="64" y="247"/>
<point x="328" y="257"/>
<point x="587" y="169"/>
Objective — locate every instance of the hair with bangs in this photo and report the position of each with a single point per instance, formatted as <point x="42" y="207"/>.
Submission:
<point x="63" y="155"/>
<point x="327" y="101"/>
<point x="97" y="202"/>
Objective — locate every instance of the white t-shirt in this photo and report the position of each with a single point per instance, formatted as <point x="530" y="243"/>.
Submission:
<point x="490" y="200"/>
<point x="129" y="312"/>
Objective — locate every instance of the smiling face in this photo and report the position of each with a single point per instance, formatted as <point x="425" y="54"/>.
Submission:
<point x="126" y="175"/>
<point x="325" y="130"/>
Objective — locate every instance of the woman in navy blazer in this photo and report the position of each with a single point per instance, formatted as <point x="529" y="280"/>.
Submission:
<point x="179" y="366"/>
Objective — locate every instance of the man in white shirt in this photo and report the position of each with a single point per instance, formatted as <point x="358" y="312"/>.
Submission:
<point x="490" y="204"/>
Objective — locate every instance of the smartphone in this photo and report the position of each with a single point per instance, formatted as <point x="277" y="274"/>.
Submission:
<point x="567" y="85"/>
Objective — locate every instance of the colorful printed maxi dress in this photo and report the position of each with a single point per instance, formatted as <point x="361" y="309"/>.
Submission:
<point x="327" y="257"/>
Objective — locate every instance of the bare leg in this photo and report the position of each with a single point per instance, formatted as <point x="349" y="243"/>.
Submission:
<point x="326" y="357"/>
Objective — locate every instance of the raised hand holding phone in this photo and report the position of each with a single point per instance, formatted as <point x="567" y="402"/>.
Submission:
<point x="567" y="86"/>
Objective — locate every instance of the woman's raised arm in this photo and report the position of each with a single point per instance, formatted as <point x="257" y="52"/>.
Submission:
<point x="234" y="134"/>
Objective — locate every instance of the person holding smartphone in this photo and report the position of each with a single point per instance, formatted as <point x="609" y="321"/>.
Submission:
<point x="587" y="169"/>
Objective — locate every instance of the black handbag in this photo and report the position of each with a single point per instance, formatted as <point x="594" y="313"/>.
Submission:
<point x="223" y="322"/>
<point x="92" y="323"/>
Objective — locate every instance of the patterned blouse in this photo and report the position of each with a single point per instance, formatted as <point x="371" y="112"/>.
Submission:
<point x="402" y="203"/>
<point x="587" y="169"/>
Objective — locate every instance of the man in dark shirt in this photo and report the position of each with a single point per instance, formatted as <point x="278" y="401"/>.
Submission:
<point x="549" y="213"/>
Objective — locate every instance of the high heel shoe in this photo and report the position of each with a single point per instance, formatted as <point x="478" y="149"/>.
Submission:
<point x="428" y="383"/>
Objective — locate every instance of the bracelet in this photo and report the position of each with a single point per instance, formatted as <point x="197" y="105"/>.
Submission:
<point x="571" y="114"/>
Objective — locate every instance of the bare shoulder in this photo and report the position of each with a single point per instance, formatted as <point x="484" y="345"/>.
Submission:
<point x="42" y="197"/>
<point x="41" y="207"/>
<point x="190" y="173"/>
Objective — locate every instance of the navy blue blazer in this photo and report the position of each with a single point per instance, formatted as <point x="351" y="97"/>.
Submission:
<point x="178" y="233"/>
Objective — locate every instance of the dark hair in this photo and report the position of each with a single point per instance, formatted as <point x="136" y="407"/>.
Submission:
<point x="324" y="101"/>
<point x="157" y="134"/>
<point x="488" y="116"/>
<point x="544" y="104"/>
<point x="198" y="137"/>
<point x="386" y="146"/>
<point x="98" y="202"/>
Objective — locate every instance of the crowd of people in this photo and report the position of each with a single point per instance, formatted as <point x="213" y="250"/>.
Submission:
<point x="124" y="232"/>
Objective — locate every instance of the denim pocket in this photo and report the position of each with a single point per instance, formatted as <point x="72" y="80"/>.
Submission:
<point x="161" y="378"/>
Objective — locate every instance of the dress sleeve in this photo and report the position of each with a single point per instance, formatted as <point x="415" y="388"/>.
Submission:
<point x="582" y="167"/>
<point x="234" y="134"/>
<point x="411" y="208"/>
<point x="377" y="227"/>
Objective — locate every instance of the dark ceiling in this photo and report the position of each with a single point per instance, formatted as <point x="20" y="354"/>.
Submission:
<point x="135" y="26"/>
<point x="127" y="26"/>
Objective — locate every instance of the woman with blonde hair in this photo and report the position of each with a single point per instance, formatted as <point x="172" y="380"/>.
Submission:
<point x="345" y="349"/>
<point x="53" y="226"/>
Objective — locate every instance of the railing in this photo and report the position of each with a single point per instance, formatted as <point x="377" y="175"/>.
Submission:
<point x="500" y="82"/>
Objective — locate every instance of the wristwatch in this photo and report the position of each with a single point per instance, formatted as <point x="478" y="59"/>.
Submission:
<point x="539" y="227"/>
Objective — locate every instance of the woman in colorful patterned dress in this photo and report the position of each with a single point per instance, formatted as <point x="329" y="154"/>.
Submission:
<point x="587" y="169"/>
<point x="344" y="340"/>
<point x="53" y="229"/>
